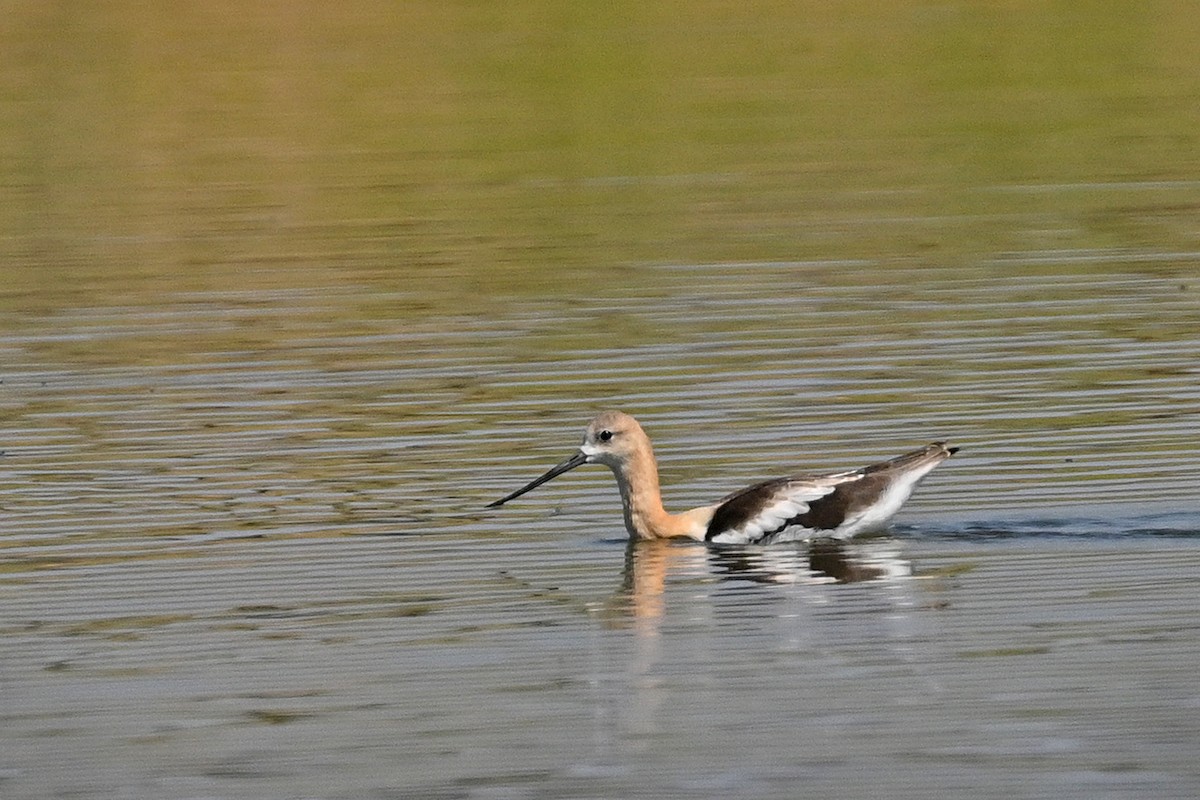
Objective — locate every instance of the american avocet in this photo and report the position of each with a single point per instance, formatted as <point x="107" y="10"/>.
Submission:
<point x="796" y="508"/>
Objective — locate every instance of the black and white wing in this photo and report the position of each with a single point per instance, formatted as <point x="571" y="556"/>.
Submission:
<point x="840" y="505"/>
<point x="761" y="513"/>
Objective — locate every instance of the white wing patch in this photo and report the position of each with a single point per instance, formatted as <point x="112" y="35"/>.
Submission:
<point x="876" y="516"/>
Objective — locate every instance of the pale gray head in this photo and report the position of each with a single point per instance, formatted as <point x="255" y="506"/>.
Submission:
<point x="613" y="438"/>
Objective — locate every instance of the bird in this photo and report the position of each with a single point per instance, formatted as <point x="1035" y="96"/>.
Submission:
<point x="797" y="508"/>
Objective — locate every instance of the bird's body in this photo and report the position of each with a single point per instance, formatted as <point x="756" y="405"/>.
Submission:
<point x="796" y="508"/>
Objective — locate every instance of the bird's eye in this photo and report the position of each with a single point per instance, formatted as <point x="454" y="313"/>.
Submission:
<point x="604" y="436"/>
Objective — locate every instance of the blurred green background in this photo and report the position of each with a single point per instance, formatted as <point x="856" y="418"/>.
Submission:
<point x="467" y="145"/>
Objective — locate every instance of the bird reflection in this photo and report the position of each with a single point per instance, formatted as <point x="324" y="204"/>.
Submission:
<point x="820" y="561"/>
<point x="633" y="687"/>
<point x="649" y="564"/>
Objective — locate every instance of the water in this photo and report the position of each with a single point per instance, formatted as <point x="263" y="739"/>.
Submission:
<point x="278" y="317"/>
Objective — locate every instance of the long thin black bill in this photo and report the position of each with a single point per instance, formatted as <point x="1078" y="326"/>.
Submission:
<point x="566" y="466"/>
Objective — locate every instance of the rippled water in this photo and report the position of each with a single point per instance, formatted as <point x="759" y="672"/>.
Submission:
<point x="260" y="376"/>
<point x="265" y="570"/>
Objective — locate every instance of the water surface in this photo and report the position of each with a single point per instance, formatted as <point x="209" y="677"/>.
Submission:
<point x="287" y="298"/>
